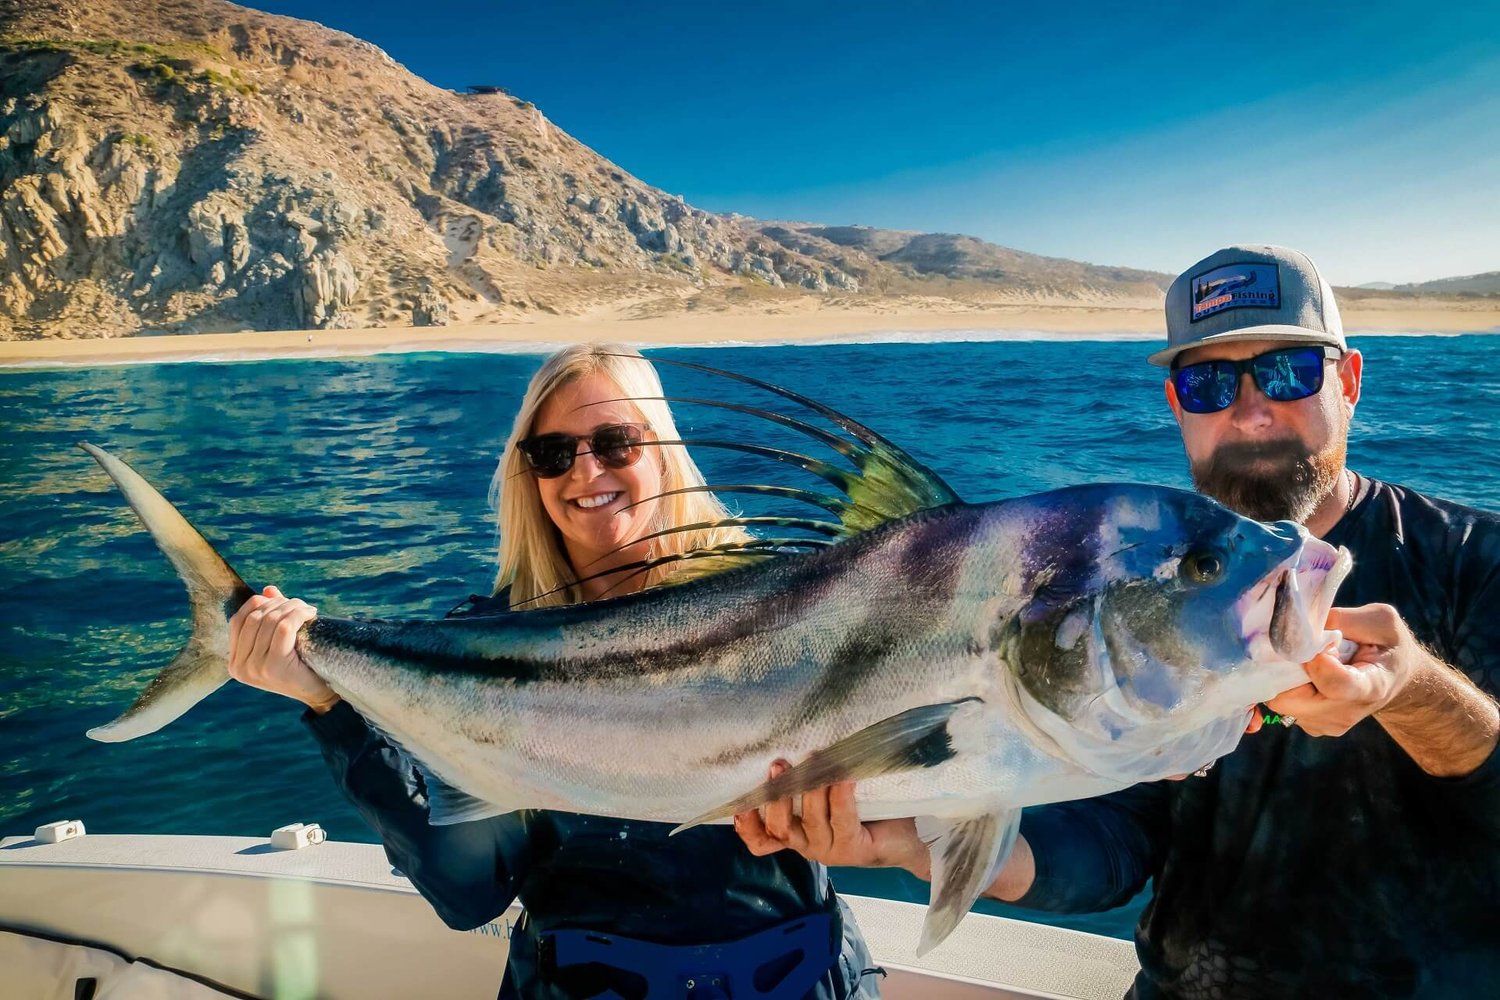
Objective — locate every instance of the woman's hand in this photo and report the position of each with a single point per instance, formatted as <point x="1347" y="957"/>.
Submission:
<point x="829" y="830"/>
<point x="263" y="653"/>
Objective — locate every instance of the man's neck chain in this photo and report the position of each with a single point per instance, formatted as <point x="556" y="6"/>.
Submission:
<point x="1355" y="485"/>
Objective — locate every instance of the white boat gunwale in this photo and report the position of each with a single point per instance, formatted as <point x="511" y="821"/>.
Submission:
<point x="228" y="911"/>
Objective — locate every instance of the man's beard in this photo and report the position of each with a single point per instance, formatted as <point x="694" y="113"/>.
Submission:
<point x="1271" y="481"/>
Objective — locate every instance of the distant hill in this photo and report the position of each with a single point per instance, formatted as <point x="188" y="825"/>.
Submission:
<point x="191" y="165"/>
<point x="1487" y="283"/>
<point x="1468" y="287"/>
<point x="963" y="258"/>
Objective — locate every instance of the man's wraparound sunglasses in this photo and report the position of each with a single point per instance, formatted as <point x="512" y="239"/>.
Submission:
<point x="616" y="446"/>
<point x="1284" y="375"/>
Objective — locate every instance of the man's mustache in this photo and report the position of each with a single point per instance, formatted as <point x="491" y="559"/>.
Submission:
<point x="1241" y="453"/>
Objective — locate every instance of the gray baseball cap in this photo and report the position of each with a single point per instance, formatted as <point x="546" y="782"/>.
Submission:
<point x="1250" y="292"/>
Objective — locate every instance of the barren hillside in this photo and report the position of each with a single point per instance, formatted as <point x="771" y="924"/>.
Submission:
<point x="191" y="165"/>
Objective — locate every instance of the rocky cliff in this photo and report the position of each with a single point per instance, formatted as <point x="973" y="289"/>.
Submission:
<point x="191" y="165"/>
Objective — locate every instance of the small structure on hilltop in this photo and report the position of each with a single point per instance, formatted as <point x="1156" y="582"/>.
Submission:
<point x="484" y="88"/>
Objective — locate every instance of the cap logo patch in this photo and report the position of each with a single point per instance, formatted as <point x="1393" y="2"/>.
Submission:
<point x="1236" y="286"/>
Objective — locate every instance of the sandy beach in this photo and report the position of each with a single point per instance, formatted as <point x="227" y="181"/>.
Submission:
<point x="821" y="326"/>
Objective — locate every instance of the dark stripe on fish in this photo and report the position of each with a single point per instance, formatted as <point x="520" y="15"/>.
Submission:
<point x="849" y="668"/>
<point x="448" y="647"/>
<point x="930" y="560"/>
<point x="930" y="554"/>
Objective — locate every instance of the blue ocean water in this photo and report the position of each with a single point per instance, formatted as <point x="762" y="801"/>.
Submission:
<point x="361" y="485"/>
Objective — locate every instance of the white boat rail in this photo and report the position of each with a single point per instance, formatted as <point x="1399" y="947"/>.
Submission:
<point x="333" y="920"/>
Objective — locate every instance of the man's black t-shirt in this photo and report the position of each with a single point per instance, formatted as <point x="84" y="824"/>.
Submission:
<point x="1318" y="867"/>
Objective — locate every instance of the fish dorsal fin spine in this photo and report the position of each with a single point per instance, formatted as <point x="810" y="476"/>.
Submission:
<point x="889" y="482"/>
<point x="720" y="558"/>
<point x="886" y="482"/>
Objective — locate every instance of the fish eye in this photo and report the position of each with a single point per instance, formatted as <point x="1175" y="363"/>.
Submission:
<point x="1206" y="566"/>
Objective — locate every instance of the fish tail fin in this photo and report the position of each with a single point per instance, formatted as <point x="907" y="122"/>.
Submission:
<point x="215" y="592"/>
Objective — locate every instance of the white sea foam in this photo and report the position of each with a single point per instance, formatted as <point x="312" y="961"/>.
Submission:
<point x="954" y="336"/>
<point x="542" y="347"/>
<point x="298" y="354"/>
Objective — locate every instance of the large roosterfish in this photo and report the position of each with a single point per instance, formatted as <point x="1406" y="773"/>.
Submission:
<point x="960" y="661"/>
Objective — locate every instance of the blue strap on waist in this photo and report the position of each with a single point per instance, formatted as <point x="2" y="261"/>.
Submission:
<point x="781" y="963"/>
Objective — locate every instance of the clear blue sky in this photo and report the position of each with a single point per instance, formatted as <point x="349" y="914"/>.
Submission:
<point x="1136" y="133"/>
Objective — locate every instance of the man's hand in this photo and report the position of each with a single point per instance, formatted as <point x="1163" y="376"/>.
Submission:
<point x="1340" y="694"/>
<point x="829" y="831"/>
<point x="263" y="653"/>
<point x="1439" y="717"/>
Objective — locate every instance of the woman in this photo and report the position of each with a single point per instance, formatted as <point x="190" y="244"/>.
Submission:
<point x="579" y="493"/>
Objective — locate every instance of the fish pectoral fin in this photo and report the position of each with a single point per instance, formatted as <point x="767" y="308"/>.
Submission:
<point x="918" y="737"/>
<point x="447" y="805"/>
<point x="967" y="854"/>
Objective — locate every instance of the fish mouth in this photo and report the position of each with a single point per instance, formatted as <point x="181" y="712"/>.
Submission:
<point x="1285" y="613"/>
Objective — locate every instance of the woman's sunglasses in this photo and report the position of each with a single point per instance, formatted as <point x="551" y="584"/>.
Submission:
<point x="616" y="446"/>
<point x="1284" y="375"/>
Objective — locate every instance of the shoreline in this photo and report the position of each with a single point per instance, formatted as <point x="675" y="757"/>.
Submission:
<point x="723" y="329"/>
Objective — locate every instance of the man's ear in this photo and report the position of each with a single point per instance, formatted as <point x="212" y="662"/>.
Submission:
<point x="1351" y="370"/>
<point x="1171" y="391"/>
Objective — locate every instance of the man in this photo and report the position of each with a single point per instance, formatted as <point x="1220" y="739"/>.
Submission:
<point x="1366" y="865"/>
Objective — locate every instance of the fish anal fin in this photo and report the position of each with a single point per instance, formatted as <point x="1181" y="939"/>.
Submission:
<point x="447" y="805"/>
<point x="967" y="854"/>
<point x="918" y="737"/>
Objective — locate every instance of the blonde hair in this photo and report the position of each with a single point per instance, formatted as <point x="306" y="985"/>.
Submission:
<point x="532" y="560"/>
